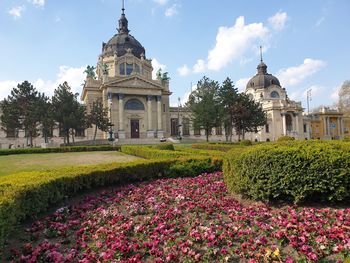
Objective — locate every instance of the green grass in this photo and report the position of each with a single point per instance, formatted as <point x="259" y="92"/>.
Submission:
<point x="40" y="162"/>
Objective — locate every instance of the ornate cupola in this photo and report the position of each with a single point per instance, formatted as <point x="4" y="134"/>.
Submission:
<point x="123" y="23"/>
<point x="262" y="79"/>
<point x="123" y="42"/>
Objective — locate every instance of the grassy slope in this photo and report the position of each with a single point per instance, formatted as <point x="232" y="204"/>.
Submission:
<point x="38" y="162"/>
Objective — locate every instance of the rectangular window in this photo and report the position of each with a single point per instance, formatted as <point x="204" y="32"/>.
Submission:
<point x="80" y="133"/>
<point x="174" y="126"/>
<point x="129" y="68"/>
<point x="197" y="131"/>
<point x="267" y="128"/>
<point x="12" y="133"/>
<point x="186" y="126"/>
<point x="305" y="128"/>
<point x="164" y="108"/>
<point x="122" y="69"/>
<point x="218" y="130"/>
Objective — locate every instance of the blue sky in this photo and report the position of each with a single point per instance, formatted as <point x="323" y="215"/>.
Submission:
<point x="305" y="43"/>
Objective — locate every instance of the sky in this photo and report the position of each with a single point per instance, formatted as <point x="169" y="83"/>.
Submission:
<point x="305" y="43"/>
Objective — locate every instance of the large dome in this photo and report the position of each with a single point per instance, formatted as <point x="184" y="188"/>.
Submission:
<point x="262" y="79"/>
<point x="122" y="42"/>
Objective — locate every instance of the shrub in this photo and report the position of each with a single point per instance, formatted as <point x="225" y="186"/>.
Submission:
<point x="164" y="146"/>
<point x="245" y="143"/>
<point x="59" y="149"/>
<point x="307" y="171"/>
<point x="285" y="138"/>
<point x="24" y="195"/>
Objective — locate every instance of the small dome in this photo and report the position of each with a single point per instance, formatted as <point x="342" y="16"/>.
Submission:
<point x="122" y="42"/>
<point x="263" y="79"/>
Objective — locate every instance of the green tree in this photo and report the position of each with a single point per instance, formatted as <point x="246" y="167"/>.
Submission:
<point x="247" y="115"/>
<point x="99" y="117"/>
<point x="204" y="105"/>
<point x="9" y="117"/>
<point x="68" y="112"/>
<point x="23" y="106"/>
<point x="47" y="120"/>
<point x="228" y="96"/>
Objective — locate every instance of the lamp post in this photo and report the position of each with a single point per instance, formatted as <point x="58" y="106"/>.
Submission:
<point x="110" y="132"/>
<point x="178" y="120"/>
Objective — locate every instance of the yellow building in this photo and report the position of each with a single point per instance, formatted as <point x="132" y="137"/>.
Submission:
<point x="329" y="124"/>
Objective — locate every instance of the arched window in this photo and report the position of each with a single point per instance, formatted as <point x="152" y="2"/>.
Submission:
<point x="134" y="104"/>
<point x="275" y="95"/>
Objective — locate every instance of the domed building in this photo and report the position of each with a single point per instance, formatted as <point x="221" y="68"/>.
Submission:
<point x="138" y="105"/>
<point x="284" y="116"/>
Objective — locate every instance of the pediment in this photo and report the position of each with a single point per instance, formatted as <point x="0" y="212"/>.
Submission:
<point x="134" y="82"/>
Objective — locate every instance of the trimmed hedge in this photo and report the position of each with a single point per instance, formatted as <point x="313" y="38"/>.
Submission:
<point x="59" y="149"/>
<point x="164" y="146"/>
<point x="302" y="171"/>
<point x="150" y="152"/>
<point x="224" y="147"/>
<point x="25" y="195"/>
<point x="285" y="138"/>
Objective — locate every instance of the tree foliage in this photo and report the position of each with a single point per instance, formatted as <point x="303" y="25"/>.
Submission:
<point x="68" y="112"/>
<point x="98" y="116"/>
<point x="344" y="98"/>
<point x="247" y="115"/>
<point x="21" y="110"/>
<point x="228" y="96"/>
<point x="204" y="105"/>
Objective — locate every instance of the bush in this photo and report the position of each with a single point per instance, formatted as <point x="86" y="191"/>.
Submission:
<point x="25" y="195"/>
<point x="306" y="171"/>
<point x="285" y="138"/>
<point x="59" y="149"/>
<point x="245" y="143"/>
<point x="164" y="146"/>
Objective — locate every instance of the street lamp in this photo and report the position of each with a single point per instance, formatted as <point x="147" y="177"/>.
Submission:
<point x="110" y="132"/>
<point x="178" y="120"/>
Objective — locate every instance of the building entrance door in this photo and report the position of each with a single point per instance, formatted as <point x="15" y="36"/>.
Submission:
<point x="135" y="128"/>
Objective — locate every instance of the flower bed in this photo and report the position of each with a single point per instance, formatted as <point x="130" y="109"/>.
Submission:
<point x="185" y="220"/>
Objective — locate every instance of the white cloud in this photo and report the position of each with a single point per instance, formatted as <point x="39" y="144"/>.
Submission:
<point x="335" y="93"/>
<point x="233" y="42"/>
<point x="16" y="12"/>
<point x="37" y="3"/>
<point x="200" y="66"/>
<point x="74" y="76"/>
<point x="184" y="70"/>
<point x="278" y="21"/>
<point x="161" y="2"/>
<point x="301" y="94"/>
<point x="171" y="11"/>
<point x="294" y="75"/>
<point x="156" y="66"/>
<point x="241" y="84"/>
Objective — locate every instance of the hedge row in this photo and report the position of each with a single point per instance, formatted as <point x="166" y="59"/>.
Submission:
<point x="59" y="149"/>
<point x="225" y="147"/>
<point x="24" y="195"/>
<point x="291" y="171"/>
<point x="150" y="152"/>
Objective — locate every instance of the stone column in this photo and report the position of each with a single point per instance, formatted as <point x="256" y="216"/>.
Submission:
<point x="297" y="124"/>
<point x="150" y="131"/>
<point x="160" y="132"/>
<point x="284" y="123"/>
<point x="121" y="131"/>
<point x="325" y="126"/>
<point x="341" y="127"/>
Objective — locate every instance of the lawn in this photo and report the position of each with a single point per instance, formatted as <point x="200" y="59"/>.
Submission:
<point x="183" y="220"/>
<point x="46" y="161"/>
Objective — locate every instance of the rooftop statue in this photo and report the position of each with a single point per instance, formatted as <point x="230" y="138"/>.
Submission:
<point x="90" y="72"/>
<point x="104" y="68"/>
